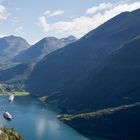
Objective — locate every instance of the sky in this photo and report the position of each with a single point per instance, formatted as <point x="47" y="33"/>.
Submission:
<point x="36" y="19"/>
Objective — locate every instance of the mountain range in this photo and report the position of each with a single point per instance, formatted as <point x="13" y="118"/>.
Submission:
<point x="42" y="48"/>
<point x="94" y="80"/>
<point x="20" y="66"/>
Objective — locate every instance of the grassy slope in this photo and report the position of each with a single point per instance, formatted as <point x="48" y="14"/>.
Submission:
<point x="9" y="134"/>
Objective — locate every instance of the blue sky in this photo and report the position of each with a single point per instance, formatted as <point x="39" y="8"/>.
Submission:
<point x="35" y="19"/>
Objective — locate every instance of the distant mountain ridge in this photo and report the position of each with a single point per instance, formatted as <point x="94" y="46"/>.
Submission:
<point x="17" y="73"/>
<point x="10" y="46"/>
<point x="43" y="48"/>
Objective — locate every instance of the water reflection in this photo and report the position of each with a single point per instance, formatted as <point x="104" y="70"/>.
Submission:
<point x="36" y="121"/>
<point x="40" y="127"/>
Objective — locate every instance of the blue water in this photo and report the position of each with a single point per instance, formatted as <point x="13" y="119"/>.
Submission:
<point x="36" y="121"/>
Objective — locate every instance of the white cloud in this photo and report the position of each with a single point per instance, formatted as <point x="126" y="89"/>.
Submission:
<point x="19" y="30"/>
<point x="98" y="8"/>
<point x="81" y="25"/>
<point x="3" y="13"/>
<point x="49" y="13"/>
<point x="42" y="22"/>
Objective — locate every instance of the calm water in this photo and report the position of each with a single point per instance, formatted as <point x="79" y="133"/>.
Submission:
<point x="36" y="121"/>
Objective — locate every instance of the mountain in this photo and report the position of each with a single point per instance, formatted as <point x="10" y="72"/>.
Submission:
<point x="116" y="88"/>
<point x="112" y="123"/>
<point x="95" y="80"/>
<point x="118" y="79"/>
<point x="16" y="74"/>
<point x="68" y="40"/>
<point x="66" y="74"/>
<point x="14" y="77"/>
<point x="10" y="46"/>
<point x="42" y="48"/>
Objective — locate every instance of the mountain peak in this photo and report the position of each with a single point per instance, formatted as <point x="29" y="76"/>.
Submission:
<point x="11" y="37"/>
<point x="48" y="39"/>
<point x="11" y="46"/>
<point x="70" y="37"/>
<point x="116" y="23"/>
<point x="42" y="48"/>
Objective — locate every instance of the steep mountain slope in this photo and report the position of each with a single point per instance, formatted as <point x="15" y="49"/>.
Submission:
<point x="65" y="76"/>
<point x="118" y="80"/>
<point x="115" y="83"/>
<point x="118" y="123"/>
<point x="10" y="46"/>
<point x="116" y="88"/>
<point x="16" y="74"/>
<point x="42" y="48"/>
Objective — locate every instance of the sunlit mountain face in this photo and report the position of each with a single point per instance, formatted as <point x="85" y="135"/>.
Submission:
<point x="10" y="46"/>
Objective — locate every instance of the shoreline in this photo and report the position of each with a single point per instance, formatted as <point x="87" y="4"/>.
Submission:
<point x="15" y="94"/>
